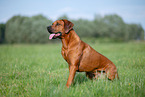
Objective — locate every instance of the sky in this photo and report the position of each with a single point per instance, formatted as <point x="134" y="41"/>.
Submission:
<point x="131" y="11"/>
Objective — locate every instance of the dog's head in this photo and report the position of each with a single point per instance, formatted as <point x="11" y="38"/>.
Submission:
<point x="59" y="29"/>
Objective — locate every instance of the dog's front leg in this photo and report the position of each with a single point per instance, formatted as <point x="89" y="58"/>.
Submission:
<point x="72" y="72"/>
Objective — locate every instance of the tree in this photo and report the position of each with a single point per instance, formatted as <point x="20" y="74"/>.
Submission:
<point x="2" y="33"/>
<point x="21" y="29"/>
<point x="115" y="26"/>
<point x="63" y="17"/>
<point x="135" y="32"/>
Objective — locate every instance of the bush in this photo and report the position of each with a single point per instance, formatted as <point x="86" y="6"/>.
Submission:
<point x="20" y="29"/>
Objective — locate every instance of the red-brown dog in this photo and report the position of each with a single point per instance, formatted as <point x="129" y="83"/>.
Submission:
<point x="80" y="56"/>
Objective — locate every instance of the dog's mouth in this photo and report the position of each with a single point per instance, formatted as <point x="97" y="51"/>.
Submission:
<point x="55" y="35"/>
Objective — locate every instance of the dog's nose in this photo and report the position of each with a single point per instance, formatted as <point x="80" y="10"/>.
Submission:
<point x="48" y="27"/>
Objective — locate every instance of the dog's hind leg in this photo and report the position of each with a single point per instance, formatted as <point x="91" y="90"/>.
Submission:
<point x="90" y="75"/>
<point x="112" y="73"/>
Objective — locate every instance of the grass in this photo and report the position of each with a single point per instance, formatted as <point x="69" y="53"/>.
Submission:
<point x="40" y="70"/>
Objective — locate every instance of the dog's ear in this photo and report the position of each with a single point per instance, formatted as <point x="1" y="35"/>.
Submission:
<point x="67" y="25"/>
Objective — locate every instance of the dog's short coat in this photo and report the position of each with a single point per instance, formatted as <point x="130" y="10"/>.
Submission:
<point x="80" y="56"/>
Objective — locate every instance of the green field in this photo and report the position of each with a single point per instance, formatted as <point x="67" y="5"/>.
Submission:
<point x="40" y="70"/>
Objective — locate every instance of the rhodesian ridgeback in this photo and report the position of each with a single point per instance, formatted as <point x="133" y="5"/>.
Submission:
<point x="79" y="55"/>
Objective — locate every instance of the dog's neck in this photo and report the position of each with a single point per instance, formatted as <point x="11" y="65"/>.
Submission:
<point x="68" y="39"/>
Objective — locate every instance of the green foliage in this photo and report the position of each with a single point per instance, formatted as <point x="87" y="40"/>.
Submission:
<point x="40" y="70"/>
<point x="134" y="31"/>
<point x="84" y="28"/>
<point x="114" y="26"/>
<point x="2" y="33"/>
<point x="110" y="26"/>
<point x="63" y="17"/>
<point x="20" y="29"/>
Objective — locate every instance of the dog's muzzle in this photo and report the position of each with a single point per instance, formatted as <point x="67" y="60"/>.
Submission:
<point x="52" y="34"/>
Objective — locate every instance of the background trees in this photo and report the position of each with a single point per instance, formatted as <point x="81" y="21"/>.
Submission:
<point x="21" y="29"/>
<point x="2" y="33"/>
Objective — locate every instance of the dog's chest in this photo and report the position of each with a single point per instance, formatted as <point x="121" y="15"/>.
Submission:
<point x="64" y="53"/>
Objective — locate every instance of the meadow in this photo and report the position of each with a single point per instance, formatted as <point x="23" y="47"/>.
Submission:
<point x="40" y="71"/>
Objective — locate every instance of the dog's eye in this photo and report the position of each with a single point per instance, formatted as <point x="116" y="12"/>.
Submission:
<point x="58" y="24"/>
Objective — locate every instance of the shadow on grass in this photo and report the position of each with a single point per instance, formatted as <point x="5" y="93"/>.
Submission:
<point x="80" y="78"/>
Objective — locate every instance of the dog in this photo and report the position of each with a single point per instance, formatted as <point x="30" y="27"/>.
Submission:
<point x="79" y="55"/>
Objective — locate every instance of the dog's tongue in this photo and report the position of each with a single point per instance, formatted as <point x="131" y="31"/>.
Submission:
<point x="51" y="36"/>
